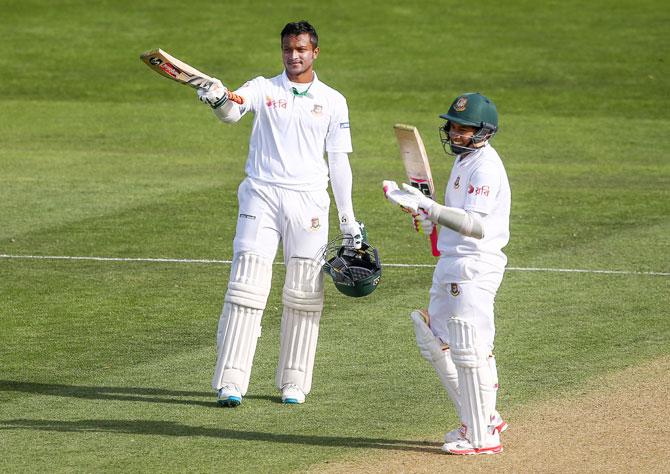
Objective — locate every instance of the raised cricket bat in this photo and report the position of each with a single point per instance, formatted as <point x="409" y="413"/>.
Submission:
<point x="172" y="68"/>
<point x="415" y="159"/>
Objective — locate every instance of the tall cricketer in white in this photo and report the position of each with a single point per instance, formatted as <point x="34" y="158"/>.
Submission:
<point x="284" y="198"/>
<point x="456" y="333"/>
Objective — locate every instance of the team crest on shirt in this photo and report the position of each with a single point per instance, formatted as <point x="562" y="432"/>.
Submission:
<point x="457" y="183"/>
<point x="455" y="290"/>
<point x="318" y="109"/>
<point x="315" y="224"/>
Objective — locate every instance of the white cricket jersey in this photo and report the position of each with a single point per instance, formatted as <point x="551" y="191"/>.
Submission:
<point x="291" y="132"/>
<point x="478" y="183"/>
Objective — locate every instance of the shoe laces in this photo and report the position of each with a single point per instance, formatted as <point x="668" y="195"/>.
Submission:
<point x="290" y="386"/>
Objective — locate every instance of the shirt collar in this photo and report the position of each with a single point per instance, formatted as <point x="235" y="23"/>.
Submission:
<point x="286" y="83"/>
<point x="474" y="154"/>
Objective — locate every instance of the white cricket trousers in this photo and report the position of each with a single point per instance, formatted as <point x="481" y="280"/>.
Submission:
<point x="469" y="300"/>
<point x="269" y="214"/>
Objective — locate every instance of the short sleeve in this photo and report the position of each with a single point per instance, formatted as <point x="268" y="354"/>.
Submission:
<point x="252" y="91"/>
<point x="483" y="189"/>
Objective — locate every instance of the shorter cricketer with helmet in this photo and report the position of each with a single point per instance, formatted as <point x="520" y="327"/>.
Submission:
<point x="456" y="333"/>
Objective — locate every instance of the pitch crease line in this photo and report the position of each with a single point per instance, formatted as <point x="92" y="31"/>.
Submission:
<point x="391" y="265"/>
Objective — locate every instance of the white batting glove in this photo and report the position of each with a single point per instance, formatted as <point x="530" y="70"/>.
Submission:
<point x="351" y="231"/>
<point x="422" y="223"/>
<point x="407" y="202"/>
<point x="215" y="95"/>
<point x="424" y="201"/>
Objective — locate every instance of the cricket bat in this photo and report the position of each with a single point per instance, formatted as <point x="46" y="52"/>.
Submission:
<point x="415" y="159"/>
<point x="172" y="68"/>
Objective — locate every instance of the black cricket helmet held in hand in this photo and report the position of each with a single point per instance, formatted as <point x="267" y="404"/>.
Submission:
<point x="473" y="110"/>
<point x="355" y="272"/>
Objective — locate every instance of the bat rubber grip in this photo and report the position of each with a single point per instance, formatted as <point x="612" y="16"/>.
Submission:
<point x="238" y="99"/>
<point x="433" y="242"/>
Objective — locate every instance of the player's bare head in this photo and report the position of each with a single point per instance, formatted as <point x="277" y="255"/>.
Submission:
<point x="298" y="28"/>
<point x="299" y="51"/>
<point x="472" y="120"/>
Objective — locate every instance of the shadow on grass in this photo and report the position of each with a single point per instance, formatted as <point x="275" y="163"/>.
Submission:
<point x="128" y="394"/>
<point x="169" y="428"/>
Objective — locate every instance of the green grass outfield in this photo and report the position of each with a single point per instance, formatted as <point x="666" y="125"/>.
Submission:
<point x="105" y="364"/>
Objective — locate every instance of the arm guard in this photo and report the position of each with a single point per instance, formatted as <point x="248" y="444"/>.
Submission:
<point x="466" y="223"/>
<point x="229" y="112"/>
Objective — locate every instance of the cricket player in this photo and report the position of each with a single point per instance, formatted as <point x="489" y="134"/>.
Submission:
<point x="284" y="198"/>
<point x="456" y="333"/>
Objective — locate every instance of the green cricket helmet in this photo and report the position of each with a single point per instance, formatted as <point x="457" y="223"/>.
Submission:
<point x="355" y="272"/>
<point x="474" y="110"/>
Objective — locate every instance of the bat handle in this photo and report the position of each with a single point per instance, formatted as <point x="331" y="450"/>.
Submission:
<point x="238" y="99"/>
<point x="433" y="242"/>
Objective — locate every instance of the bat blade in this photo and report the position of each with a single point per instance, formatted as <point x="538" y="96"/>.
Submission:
<point x="172" y="68"/>
<point x="178" y="71"/>
<point x="417" y="167"/>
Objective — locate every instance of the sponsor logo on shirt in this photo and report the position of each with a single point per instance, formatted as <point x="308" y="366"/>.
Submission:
<point x="318" y="109"/>
<point x="484" y="190"/>
<point x="316" y="225"/>
<point x="275" y="104"/>
<point x="247" y="216"/>
<point x="344" y="124"/>
<point x="479" y="190"/>
<point x="457" y="183"/>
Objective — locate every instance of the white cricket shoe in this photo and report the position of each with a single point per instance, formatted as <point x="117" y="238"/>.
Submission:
<point x="497" y="424"/>
<point x="229" y="395"/>
<point x="463" y="447"/>
<point x="291" y="394"/>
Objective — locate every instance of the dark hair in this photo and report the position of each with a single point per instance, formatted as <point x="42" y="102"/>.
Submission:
<point x="299" y="27"/>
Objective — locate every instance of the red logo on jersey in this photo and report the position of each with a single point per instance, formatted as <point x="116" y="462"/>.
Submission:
<point x="483" y="190"/>
<point x="274" y="104"/>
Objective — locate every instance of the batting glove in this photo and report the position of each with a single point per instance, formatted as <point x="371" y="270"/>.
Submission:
<point x="423" y="201"/>
<point x="407" y="202"/>
<point x="351" y="231"/>
<point x="422" y="223"/>
<point x="215" y="95"/>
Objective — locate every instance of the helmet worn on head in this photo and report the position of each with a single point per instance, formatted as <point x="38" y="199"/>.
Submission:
<point x="473" y="110"/>
<point x="355" y="272"/>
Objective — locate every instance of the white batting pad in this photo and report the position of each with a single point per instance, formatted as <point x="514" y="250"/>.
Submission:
<point x="303" y="303"/>
<point x="240" y="322"/>
<point x="437" y="354"/>
<point x="476" y="380"/>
